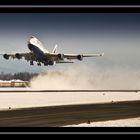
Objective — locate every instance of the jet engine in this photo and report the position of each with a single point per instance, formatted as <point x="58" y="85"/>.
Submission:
<point x="6" y="56"/>
<point x="18" y="56"/>
<point x="80" y="57"/>
<point x="61" y="56"/>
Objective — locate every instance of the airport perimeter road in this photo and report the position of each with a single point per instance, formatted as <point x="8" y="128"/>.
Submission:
<point x="69" y="114"/>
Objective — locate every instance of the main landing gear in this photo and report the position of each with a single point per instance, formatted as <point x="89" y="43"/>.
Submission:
<point x="45" y="64"/>
<point x="39" y="64"/>
<point x="31" y="63"/>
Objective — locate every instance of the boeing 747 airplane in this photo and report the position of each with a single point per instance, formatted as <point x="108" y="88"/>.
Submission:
<point x="40" y="54"/>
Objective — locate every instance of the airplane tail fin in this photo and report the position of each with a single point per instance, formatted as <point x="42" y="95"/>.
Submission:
<point x="55" y="49"/>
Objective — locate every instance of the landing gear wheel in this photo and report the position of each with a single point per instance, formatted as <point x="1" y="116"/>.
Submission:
<point x="39" y="64"/>
<point x="31" y="63"/>
<point x="45" y="64"/>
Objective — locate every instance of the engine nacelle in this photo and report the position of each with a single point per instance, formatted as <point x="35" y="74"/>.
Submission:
<point x="6" y="56"/>
<point x="18" y="56"/>
<point x="61" y="56"/>
<point x="80" y="57"/>
<point x="51" y="63"/>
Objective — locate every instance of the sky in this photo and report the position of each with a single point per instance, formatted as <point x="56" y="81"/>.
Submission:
<point x="115" y="34"/>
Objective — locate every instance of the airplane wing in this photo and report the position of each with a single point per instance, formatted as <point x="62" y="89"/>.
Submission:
<point x="26" y="56"/>
<point x="72" y="56"/>
<point x="75" y="56"/>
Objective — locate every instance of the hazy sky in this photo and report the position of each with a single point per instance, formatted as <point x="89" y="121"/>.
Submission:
<point x="115" y="34"/>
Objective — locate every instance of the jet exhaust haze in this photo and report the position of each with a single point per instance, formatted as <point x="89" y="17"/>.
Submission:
<point x="91" y="77"/>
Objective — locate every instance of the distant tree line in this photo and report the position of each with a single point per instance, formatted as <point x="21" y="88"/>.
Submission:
<point x="25" y="76"/>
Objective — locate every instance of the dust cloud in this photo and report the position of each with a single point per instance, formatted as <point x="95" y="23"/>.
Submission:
<point x="88" y="77"/>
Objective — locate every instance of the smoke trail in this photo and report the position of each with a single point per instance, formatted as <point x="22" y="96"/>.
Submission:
<point x="91" y="77"/>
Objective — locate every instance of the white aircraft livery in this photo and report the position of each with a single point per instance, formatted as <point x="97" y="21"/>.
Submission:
<point x="41" y="55"/>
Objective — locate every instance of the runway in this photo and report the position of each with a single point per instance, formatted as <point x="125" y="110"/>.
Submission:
<point x="56" y="116"/>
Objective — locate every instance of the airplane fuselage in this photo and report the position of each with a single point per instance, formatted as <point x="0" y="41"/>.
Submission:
<point x="37" y="48"/>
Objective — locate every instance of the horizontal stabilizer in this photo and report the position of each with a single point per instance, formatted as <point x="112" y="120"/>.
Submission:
<point x="102" y="54"/>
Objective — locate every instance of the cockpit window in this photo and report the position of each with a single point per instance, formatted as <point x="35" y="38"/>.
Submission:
<point x="32" y="37"/>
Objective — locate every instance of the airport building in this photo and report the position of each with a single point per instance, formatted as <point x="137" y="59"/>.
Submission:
<point x="14" y="83"/>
